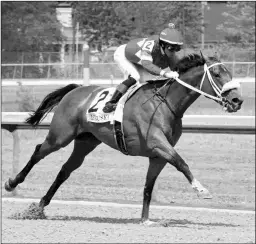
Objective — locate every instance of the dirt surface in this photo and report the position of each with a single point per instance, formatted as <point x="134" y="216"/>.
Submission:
<point x="224" y="164"/>
<point x="76" y="223"/>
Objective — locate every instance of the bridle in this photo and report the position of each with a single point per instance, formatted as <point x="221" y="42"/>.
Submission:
<point x="227" y="86"/>
<point x="219" y="98"/>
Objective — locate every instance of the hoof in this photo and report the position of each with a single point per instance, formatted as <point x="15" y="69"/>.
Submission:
<point x="7" y="186"/>
<point x="204" y="194"/>
<point x="150" y="223"/>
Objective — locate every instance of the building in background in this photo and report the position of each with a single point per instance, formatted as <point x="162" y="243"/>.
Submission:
<point x="73" y="36"/>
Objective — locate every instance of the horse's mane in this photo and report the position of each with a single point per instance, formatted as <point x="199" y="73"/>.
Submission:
<point x="189" y="61"/>
<point x="185" y="63"/>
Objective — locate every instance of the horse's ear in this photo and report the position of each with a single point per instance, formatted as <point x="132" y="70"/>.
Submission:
<point x="217" y="55"/>
<point x="204" y="59"/>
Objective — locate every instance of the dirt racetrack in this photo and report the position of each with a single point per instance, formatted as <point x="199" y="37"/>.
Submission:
<point x="103" y="223"/>
<point x="224" y="163"/>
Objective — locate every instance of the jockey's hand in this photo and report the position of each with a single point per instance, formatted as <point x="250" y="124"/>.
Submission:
<point x="171" y="74"/>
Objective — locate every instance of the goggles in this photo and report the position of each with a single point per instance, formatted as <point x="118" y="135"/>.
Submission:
<point x="173" y="48"/>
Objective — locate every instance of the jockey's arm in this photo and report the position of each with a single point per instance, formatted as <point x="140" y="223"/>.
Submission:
<point x="151" y="68"/>
<point x="147" y="64"/>
<point x="155" y="70"/>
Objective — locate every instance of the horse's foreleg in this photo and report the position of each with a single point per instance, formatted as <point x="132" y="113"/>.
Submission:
<point x="155" y="167"/>
<point x="81" y="149"/>
<point x="167" y="152"/>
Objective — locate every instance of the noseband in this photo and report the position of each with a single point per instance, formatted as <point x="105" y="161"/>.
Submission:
<point x="227" y="86"/>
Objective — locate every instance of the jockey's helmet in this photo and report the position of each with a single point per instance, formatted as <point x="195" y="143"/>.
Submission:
<point x="171" y="38"/>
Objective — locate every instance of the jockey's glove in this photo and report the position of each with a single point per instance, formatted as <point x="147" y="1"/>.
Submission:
<point x="171" y="74"/>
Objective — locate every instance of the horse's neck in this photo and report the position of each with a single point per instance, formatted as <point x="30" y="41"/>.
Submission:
<point x="181" y="97"/>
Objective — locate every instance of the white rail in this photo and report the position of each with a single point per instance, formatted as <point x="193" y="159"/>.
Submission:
<point x="81" y="63"/>
<point x="110" y="81"/>
<point x="86" y="68"/>
<point x="191" y="123"/>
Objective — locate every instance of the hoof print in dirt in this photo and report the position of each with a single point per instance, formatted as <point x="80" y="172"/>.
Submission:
<point x="165" y="223"/>
<point x="33" y="212"/>
<point x="204" y="195"/>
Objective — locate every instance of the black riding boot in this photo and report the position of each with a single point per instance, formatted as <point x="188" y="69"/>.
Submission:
<point x="119" y="92"/>
<point x="111" y="104"/>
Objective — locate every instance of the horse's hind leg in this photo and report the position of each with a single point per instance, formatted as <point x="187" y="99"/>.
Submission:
<point x="56" y="138"/>
<point x="83" y="145"/>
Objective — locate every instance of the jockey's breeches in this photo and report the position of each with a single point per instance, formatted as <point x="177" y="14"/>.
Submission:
<point x="128" y="68"/>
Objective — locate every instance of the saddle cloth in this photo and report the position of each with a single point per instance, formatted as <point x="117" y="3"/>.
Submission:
<point x="95" y="113"/>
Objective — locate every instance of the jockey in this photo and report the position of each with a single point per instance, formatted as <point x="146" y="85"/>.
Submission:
<point x="152" y="54"/>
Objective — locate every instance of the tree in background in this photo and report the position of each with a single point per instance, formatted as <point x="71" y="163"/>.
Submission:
<point x="239" y="26"/>
<point x="148" y="18"/>
<point x="114" y="23"/>
<point x="33" y="26"/>
<point x="28" y="30"/>
<point x="100" y="24"/>
<point x="189" y="17"/>
<point x="29" y="26"/>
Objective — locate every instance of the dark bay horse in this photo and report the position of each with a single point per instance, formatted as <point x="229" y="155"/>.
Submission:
<point x="152" y="123"/>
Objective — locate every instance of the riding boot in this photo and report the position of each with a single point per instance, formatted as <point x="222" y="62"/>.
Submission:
<point x="111" y="104"/>
<point x="119" y="92"/>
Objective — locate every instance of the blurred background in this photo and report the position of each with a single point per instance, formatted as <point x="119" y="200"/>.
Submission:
<point x="43" y="33"/>
<point x="43" y="41"/>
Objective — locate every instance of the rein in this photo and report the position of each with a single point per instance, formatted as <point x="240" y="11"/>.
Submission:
<point x="219" y="98"/>
<point x="163" y="99"/>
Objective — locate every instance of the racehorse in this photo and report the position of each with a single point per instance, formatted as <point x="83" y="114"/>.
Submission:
<point x="152" y="123"/>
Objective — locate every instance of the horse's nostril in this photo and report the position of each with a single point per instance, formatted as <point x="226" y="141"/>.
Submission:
<point x="237" y="101"/>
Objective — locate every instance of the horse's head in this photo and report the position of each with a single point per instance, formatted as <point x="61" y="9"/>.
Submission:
<point x="217" y="82"/>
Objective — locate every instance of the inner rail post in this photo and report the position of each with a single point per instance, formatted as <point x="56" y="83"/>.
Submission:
<point x="16" y="151"/>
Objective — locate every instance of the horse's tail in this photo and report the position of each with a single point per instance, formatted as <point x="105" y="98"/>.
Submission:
<point x="49" y="102"/>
